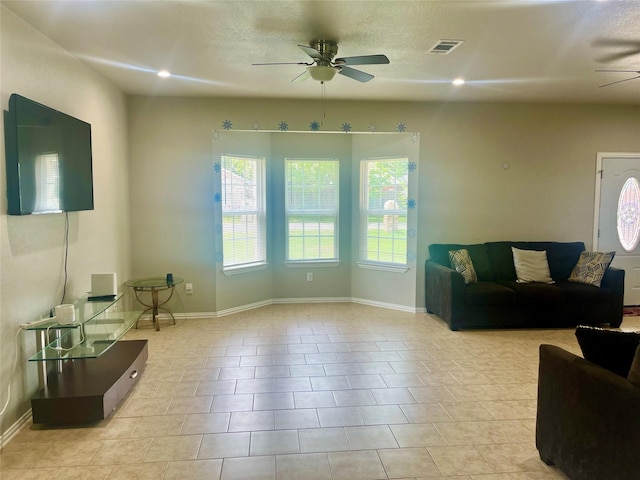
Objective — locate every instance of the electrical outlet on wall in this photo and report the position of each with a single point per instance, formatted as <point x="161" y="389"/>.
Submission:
<point x="309" y="277"/>
<point x="188" y="288"/>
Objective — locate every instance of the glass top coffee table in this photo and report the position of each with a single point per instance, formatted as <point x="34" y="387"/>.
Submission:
<point x="154" y="285"/>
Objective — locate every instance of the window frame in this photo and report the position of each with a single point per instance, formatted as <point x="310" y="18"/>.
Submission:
<point x="365" y="211"/>
<point x="334" y="212"/>
<point x="260" y="211"/>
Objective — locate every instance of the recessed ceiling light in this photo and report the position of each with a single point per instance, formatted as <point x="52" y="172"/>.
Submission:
<point x="164" y="73"/>
<point x="458" y="81"/>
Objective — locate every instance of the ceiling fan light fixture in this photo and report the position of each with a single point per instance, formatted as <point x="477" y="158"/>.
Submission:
<point x="321" y="73"/>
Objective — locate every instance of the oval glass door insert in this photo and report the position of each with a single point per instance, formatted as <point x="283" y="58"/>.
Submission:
<point x="629" y="214"/>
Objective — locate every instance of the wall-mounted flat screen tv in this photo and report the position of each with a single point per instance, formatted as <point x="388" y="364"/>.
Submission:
<point x="48" y="157"/>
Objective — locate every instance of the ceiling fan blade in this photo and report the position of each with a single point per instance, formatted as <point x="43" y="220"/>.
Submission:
<point x="619" y="81"/>
<point x="618" y="56"/>
<point x="355" y="74"/>
<point x="363" y="60"/>
<point x="302" y="77"/>
<point x="616" y="42"/>
<point x="620" y="71"/>
<point x="282" y="63"/>
<point x="312" y="52"/>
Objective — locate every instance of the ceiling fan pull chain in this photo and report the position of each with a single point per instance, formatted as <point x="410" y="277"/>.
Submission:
<point x="324" y="110"/>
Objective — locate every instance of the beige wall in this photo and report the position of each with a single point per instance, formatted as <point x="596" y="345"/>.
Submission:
<point x="465" y="194"/>
<point x="32" y="247"/>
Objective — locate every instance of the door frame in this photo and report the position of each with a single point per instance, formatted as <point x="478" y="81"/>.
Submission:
<point x="600" y="158"/>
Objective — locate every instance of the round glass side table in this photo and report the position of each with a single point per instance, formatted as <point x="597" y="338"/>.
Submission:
<point x="154" y="285"/>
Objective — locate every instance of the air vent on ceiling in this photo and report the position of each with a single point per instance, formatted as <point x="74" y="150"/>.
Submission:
<point x="445" y="47"/>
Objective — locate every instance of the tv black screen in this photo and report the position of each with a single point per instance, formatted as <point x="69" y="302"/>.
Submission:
<point x="48" y="157"/>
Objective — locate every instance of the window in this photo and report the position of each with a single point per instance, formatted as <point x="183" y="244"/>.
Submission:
<point x="383" y="210"/>
<point x="311" y="209"/>
<point x="243" y="211"/>
<point x="629" y="214"/>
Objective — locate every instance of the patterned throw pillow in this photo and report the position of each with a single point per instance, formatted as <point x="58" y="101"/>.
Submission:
<point x="591" y="267"/>
<point x="461" y="262"/>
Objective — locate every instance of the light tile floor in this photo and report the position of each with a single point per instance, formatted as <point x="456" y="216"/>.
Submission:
<point x="313" y="392"/>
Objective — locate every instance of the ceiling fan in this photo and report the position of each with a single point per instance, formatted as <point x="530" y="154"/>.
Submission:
<point x="623" y="48"/>
<point x="324" y="67"/>
<point x="623" y="80"/>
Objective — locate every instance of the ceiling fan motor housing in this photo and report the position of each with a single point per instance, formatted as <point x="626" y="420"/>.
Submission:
<point x="327" y="49"/>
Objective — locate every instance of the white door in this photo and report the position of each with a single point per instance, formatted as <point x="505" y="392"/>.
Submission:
<point x="617" y="211"/>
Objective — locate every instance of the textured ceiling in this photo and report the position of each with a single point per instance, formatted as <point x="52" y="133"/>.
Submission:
<point x="513" y="50"/>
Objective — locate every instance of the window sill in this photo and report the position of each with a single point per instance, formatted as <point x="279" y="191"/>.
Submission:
<point x="245" y="269"/>
<point x="384" y="267"/>
<point x="312" y="263"/>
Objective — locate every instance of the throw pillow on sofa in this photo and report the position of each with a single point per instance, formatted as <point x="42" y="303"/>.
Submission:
<point x="591" y="267"/>
<point x="461" y="263"/>
<point x="611" y="349"/>
<point x="531" y="266"/>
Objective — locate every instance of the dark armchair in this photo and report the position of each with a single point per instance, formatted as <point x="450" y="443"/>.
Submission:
<point x="588" y="421"/>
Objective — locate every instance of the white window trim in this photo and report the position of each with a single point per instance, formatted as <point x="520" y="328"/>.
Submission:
<point x="312" y="263"/>
<point x="248" y="268"/>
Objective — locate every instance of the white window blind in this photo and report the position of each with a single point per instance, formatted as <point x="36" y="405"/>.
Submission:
<point x="243" y="211"/>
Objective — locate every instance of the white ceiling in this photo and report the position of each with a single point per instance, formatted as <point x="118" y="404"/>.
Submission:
<point x="513" y="50"/>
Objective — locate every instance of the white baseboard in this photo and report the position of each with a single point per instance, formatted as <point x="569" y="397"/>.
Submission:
<point x="13" y="430"/>
<point x="242" y="308"/>
<point x="282" y="301"/>
<point x="312" y="300"/>
<point x="392" y="306"/>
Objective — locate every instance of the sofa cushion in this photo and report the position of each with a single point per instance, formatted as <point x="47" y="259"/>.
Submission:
<point x="634" y="371"/>
<point x="501" y="259"/>
<point x="611" y="349"/>
<point x="439" y="253"/>
<point x="581" y="293"/>
<point x="535" y="293"/>
<point x="488" y="293"/>
<point x="461" y="263"/>
<point x="531" y="266"/>
<point x="562" y="256"/>
<point x="591" y="267"/>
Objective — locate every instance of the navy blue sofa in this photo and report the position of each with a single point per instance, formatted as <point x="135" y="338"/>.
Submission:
<point x="498" y="301"/>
